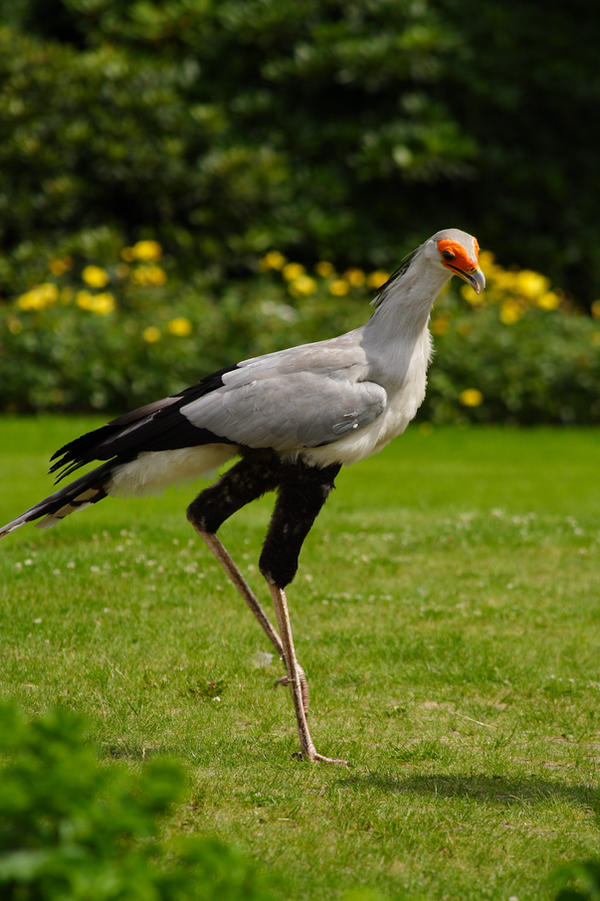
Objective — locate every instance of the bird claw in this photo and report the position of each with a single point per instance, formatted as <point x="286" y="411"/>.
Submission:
<point x="318" y="758"/>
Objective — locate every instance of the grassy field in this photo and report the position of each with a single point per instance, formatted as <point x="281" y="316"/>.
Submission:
<point x="446" y="613"/>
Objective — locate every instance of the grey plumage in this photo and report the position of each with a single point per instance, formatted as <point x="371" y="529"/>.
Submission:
<point x="301" y="398"/>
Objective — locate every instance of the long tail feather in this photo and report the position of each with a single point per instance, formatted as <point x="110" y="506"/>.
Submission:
<point x="156" y="427"/>
<point x="86" y="490"/>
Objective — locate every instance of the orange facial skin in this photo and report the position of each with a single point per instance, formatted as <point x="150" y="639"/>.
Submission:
<point x="459" y="263"/>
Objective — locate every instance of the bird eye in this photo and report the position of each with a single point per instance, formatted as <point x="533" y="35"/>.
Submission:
<point x="448" y="255"/>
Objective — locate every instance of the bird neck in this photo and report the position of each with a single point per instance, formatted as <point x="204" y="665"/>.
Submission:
<point x="399" y="322"/>
<point x="405" y="304"/>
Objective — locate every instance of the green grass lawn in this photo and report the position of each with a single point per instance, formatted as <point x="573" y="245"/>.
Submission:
<point x="446" y="613"/>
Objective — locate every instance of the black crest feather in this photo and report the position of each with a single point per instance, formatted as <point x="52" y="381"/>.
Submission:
<point x="397" y="274"/>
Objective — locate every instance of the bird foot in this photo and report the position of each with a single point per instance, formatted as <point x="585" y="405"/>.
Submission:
<point x="319" y="758"/>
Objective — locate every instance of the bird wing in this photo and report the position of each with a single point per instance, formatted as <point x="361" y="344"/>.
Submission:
<point x="291" y="400"/>
<point x="300" y="397"/>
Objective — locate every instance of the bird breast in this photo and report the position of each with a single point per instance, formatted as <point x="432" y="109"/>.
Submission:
<point x="403" y="401"/>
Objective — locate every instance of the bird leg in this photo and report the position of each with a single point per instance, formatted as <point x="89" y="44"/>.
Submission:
<point x="294" y="673"/>
<point x="302" y="492"/>
<point x="240" y="485"/>
<point x="225" y="559"/>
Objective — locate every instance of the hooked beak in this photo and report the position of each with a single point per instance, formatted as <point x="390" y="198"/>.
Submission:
<point x="474" y="276"/>
<point x="476" y="279"/>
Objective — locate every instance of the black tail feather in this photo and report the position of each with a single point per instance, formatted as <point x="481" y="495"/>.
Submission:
<point x="155" y="427"/>
<point x="86" y="490"/>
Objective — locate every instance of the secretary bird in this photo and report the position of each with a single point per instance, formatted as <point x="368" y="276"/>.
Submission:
<point x="293" y="417"/>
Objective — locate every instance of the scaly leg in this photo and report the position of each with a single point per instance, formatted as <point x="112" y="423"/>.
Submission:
<point x="294" y="674"/>
<point x="226" y="560"/>
<point x="302" y="492"/>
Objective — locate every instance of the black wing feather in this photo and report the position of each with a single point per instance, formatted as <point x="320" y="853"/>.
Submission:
<point x="153" y="427"/>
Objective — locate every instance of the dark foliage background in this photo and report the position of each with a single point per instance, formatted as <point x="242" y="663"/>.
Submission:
<point x="349" y="130"/>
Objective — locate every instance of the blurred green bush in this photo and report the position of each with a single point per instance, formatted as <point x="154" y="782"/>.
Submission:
<point x="226" y="128"/>
<point x="579" y="881"/>
<point x="74" y="829"/>
<point x="349" y="130"/>
<point x="518" y="353"/>
<point x="120" y="329"/>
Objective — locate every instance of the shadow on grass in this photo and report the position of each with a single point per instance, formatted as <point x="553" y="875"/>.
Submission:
<point x="480" y="787"/>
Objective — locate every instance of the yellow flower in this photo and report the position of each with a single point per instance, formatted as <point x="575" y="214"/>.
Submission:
<point x="324" y="269"/>
<point x="292" y="271"/>
<point x="471" y="397"/>
<point x="596" y="309"/>
<point x="505" y="280"/>
<point x="510" y="312"/>
<point x="148" y="251"/>
<point x="60" y="265"/>
<point x="471" y="297"/>
<point x="151" y="334"/>
<point x="83" y="299"/>
<point x="303" y="286"/>
<point x="531" y="284"/>
<point x="95" y="277"/>
<point x="181" y="327"/>
<point x="149" y="274"/>
<point x="486" y="259"/>
<point x="339" y="287"/>
<point x="38" y="297"/>
<point x="355" y="277"/>
<point x="103" y="303"/>
<point x="272" y="260"/>
<point x="548" y="301"/>
<point x="440" y="324"/>
<point x="49" y="292"/>
<point x="30" y="301"/>
<point x="377" y="279"/>
<point x="157" y="275"/>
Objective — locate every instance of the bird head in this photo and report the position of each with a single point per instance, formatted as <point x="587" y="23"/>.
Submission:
<point x="457" y="252"/>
